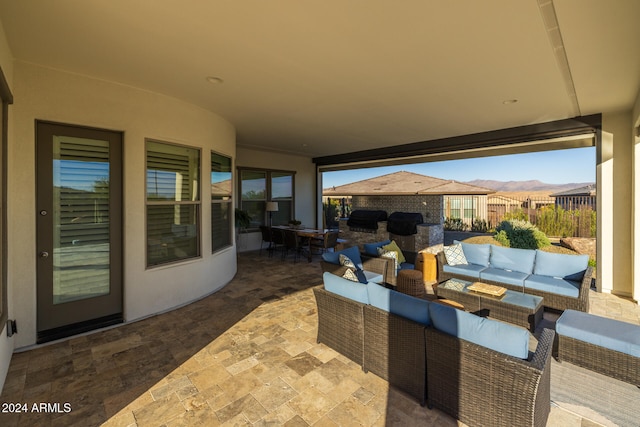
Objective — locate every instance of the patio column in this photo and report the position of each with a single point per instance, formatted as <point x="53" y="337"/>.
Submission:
<point x="604" y="209"/>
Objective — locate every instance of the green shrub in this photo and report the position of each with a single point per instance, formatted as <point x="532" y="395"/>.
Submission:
<point x="454" y="224"/>
<point x="521" y="234"/>
<point x="518" y="214"/>
<point x="480" y="225"/>
<point x="501" y="237"/>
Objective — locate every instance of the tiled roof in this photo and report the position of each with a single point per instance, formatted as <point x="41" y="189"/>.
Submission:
<point x="589" y="190"/>
<point x="404" y="183"/>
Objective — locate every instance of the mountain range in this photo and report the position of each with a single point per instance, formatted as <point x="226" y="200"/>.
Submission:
<point x="531" y="185"/>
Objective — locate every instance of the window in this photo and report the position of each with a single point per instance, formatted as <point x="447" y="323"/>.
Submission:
<point x="469" y="207"/>
<point x="257" y="187"/>
<point x="455" y="209"/>
<point x="221" y="202"/>
<point x="173" y="203"/>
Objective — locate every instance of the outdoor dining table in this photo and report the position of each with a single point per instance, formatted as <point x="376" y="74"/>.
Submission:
<point x="307" y="234"/>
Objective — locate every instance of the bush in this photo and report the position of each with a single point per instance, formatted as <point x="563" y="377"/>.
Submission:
<point x="454" y="224"/>
<point x="520" y="234"/>
<point x="501" y="237"/>
<point x="480" y="226"/>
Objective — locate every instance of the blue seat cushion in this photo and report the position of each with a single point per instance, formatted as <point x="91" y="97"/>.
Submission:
<point x="372" y="248"/>
<point x="513" y="259"/>
<point x="353" y="253"/>
<point x="346" y="288"/>
<point x="391" y="301"/>
<point x="601" y="331"/>
<point x="406" y="266"/>
<point x="471" y="270"/>
<point x="476" y="254"/>
<point x="503" y="337"/>
<point x="570" y="267"/>
<point x="553" y="285"/>
<point x="370" y="276"/>
<point x="515" y="278"/>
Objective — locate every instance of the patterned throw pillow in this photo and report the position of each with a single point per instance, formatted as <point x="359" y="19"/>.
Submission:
<point x="350" y="275"/>
<point x="346" y="261"/>
<point x="455" y="255"/>
<point x="393" y="255"/>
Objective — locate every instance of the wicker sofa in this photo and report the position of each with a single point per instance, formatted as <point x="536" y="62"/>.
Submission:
<point x="563" y="281"/>
<point x="422" y="355"/>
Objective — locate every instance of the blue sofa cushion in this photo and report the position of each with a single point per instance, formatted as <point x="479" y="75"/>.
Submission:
<point x="406" y="266"/>
<point x="352" y="253"/>
<point x="570" y="267"/>
<point x="608" y="333"/>
<point x="345" y="288"/>
<point x="369" y="276"/>
<point x="553" y="285"/>
<point x="515" y="278"/>
<point x="512" y="259"/>
<point x="476" y="254"/>
<point x="391" y="301"/>
<point x="372" y="248"/>
<point x="503" y="337"/>
<point x="471" y="270"/>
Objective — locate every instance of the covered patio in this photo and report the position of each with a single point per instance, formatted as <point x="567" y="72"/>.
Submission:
<point x="247" y="355"/>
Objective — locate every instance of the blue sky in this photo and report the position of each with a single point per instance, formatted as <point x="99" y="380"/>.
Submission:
<point x="551" y="167"/>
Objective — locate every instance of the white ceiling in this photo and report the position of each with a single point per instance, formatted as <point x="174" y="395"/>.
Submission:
<point x="334" y="76"/>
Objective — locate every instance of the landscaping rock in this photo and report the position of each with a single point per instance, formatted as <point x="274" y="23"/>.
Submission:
<point x="585" y="246"/>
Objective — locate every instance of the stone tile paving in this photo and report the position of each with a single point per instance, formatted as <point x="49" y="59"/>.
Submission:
<point x="246" y="355"/>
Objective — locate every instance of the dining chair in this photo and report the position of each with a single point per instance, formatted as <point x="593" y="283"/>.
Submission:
<point x="291" y="243"/>
<point x="328" y="241"/>
<point x="267" y="237"/>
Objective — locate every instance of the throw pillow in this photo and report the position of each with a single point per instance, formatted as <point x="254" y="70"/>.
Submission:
<point x="350" y="275"/>
<point x="393" y="255"/>
<point x="393" y="246"/>
<point x="455" y="255"/>
<point x="346" y="261"/>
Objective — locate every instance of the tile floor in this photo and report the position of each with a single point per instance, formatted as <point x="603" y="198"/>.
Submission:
<point x="246" y="355"/>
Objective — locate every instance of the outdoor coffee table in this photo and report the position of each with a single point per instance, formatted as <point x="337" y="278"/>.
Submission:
<point x="513" y="306"/>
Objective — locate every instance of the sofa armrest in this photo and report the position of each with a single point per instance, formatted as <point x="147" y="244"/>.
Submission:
<point x="377" y="265"/>
<point x="585" y="285"/>
<point x="336" y="269"/>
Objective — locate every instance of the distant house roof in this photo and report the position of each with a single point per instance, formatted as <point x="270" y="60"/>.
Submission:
<point x="404" y="183"/>
<point x="589" y="190"/>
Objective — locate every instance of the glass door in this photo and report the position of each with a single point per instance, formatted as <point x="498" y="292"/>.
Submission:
<point x="78" y="229"/>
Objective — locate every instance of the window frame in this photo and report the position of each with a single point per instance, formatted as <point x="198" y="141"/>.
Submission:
<point x="196" y="203"/>
<point x="269" y="174"/>
<point x="229" y="202"/>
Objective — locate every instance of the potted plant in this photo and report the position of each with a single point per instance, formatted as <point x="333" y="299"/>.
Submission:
<point x="294" y="223"/>
<point x="242" y="220"/>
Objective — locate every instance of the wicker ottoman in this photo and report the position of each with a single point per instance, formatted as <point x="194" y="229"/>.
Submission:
<point x="603" y="345"/>
<point x="410" y="282"/>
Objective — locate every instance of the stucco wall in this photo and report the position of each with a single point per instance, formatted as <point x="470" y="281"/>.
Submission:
<point x="51" y="95"/>
<point x="620" y="126"/>
<point x="6" y="343"/>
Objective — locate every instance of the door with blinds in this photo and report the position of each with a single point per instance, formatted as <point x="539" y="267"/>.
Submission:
<point x="79" y="229"/>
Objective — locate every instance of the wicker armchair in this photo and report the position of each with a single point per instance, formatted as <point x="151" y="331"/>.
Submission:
<point x="551" y="300"/>
<point x="376" y="265"/>
<point x="479" y="386"/>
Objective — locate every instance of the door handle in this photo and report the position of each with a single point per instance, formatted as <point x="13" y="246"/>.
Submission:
<point x="44" y="254"/>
